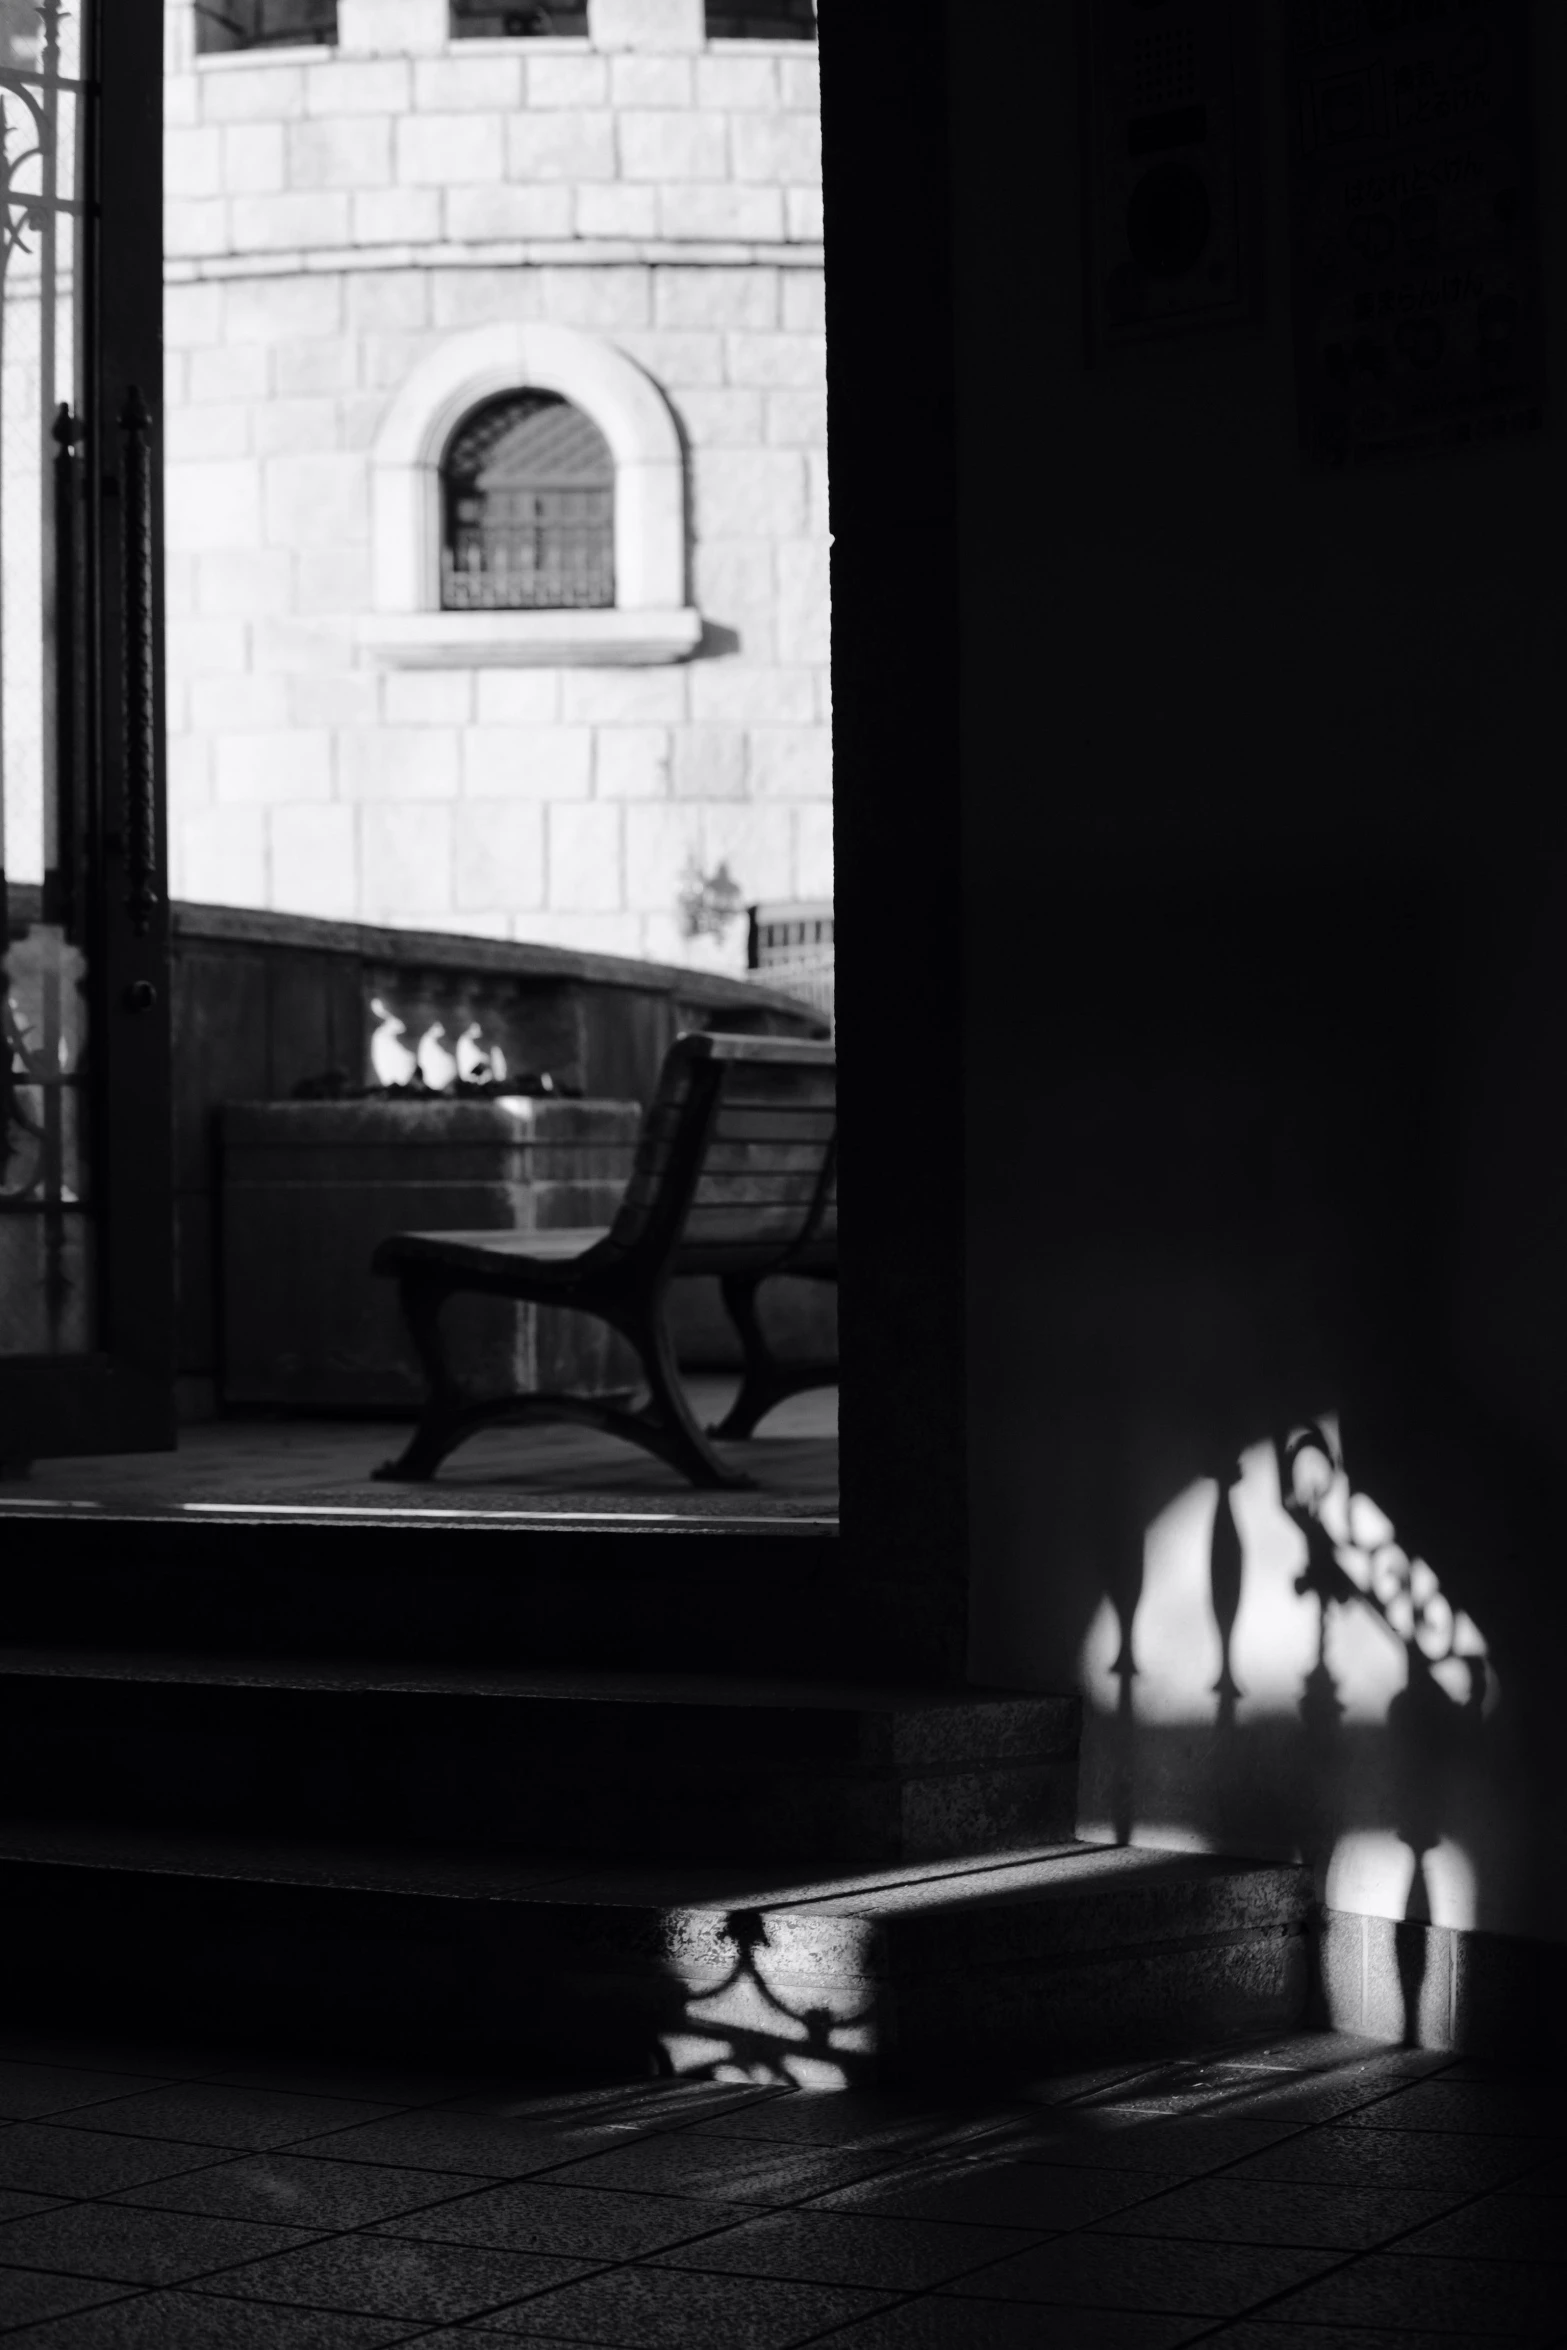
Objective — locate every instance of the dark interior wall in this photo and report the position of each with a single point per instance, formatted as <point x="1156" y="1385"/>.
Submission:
<point x="1260" y="849"/>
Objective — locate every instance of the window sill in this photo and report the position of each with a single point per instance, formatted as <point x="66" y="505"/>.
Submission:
<point x="530" y="640"/>
<point x="263" y="53"/>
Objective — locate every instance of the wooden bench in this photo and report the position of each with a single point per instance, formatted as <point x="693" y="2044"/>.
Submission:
<point x="735" y="1174"/>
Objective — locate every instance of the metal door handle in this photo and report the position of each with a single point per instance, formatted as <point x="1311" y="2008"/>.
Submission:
<point x="139" y="677"/>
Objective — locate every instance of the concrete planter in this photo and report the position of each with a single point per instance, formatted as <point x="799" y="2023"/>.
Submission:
<point x="310" y="1188"/>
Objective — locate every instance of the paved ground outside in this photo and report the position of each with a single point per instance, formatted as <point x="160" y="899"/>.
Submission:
<point x="1318" y="2194"/>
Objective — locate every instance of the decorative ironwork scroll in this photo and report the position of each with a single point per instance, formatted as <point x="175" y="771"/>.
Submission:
<point x="140" y="679"/>
<point x="62" y="884"/>
<point x="1366" y="1565"/>
<point x="529" y="494"/>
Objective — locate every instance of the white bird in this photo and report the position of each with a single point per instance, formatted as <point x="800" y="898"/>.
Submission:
<point x="437" y="1066"/>
<point x="474" y="1065"/>
<point x="392" y="1061"/>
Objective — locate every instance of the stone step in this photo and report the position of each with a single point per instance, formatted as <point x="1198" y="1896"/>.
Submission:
<point x="452" y="1583"/>
<point x="823" y="1977"/>
<point x="606" y="1765"/>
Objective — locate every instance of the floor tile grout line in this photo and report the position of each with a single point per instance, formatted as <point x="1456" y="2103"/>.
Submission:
<point x="202" y="2279"/>
<point x="1237" y="2111"/>
<point x="674" y="2129"/>
<point x="1272" y="2300"/>
<point x="318" y="2236"/>
<point x="482" y="2181"/>
<point x="301" y="2149"/>
<point x="131" y="2293"/>
<point x="362" y="2231"/>
<point x="79" y="2276"/>
<point x="302" y="2145"/>
<point x="591" y="2269"/>
<point x="765" y="2276"/>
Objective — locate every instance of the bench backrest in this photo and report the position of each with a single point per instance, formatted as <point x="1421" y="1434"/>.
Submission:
<point x="738" y="1155"/>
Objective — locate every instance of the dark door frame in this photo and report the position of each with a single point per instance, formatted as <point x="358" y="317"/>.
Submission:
<point x="119" y="1397"/>
<point x="895" y="615"/>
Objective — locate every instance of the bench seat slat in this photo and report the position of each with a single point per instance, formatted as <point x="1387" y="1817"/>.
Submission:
<point x="813" y="1127"/>
<point x="739" y="1183"/>
<point x="743" y="1227"/>
<point x="738" y="1157"/>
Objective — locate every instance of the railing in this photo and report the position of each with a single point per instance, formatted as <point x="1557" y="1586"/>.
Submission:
<point x="263" y="24"/>
<point x="791" y="949"/>
<point x="534" y="550"/>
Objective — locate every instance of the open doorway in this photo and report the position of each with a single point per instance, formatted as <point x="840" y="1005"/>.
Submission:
<point x="498" y="718"/>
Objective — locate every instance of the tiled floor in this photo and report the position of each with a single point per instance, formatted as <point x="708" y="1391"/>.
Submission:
<point x="1320" y="2194"/>
<point x="312" y="1465"/>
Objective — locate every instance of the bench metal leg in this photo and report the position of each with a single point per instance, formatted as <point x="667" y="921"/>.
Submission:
<point x="765" y="1381"/>
<point x="664" y="1426"/>
<point x="441" y="1425"/>
<point x="667" y="1420"/>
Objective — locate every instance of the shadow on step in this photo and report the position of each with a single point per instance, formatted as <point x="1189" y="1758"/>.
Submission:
<point x="813" y="1979"/>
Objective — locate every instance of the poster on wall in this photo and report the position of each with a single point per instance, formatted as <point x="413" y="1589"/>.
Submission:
<point x="1170" y="105"/>
<point x="1415" y="272"/>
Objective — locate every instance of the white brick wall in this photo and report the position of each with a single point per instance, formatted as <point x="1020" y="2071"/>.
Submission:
<point x="331" y="221"/>
<point x="499" y="856"/>
<point x="650" y="25"/>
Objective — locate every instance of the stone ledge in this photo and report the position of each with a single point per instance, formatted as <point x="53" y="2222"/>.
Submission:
<point x="532" y="253"/>
<point x="530" y="640"/>
<point x="791" y="1974"/>
<point x="274" y="54"/>
<point x="1447" y="1987"/>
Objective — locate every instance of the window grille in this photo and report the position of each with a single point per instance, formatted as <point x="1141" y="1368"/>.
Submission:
<point x="263" y="24"/>
<point x="529" y="493"/>
<point x="761" y="20"/>
<point x="518" y="20"/>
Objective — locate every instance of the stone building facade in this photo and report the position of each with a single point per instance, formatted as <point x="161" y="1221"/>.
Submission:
<point x="367" y="237"/>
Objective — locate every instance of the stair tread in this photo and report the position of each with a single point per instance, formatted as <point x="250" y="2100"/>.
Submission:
<point x="564" y="1684"/>
<point x="1050" y="1873"/>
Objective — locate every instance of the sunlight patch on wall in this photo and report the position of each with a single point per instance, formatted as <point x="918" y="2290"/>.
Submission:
<point x="1249" y="1591"/>
<point x="1178" y="1652"/>
<point x="1367" y="1864"/>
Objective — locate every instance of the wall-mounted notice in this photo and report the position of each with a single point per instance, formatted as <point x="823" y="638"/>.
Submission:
<point x="1415" y="263"/>
<point x="1170" y="107"/>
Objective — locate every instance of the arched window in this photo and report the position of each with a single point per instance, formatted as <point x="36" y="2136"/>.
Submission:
<point x="528" y="509"/>
<point x="528" y="506"/>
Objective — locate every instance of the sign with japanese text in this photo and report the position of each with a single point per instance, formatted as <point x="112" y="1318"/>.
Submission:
<point x="1415" y="262"/>
<point x="1170" y="104"/>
